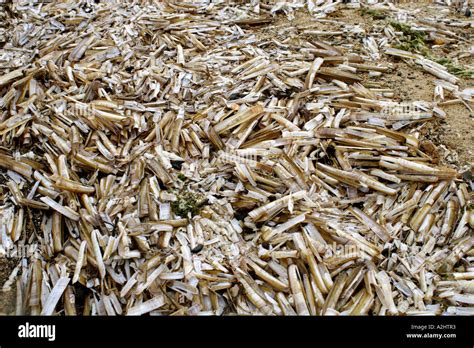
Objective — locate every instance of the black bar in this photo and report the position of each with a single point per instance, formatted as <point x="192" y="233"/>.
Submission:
<point x="289" y="331"/>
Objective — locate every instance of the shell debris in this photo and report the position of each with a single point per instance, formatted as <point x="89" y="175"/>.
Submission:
<point x="164" y="159"/>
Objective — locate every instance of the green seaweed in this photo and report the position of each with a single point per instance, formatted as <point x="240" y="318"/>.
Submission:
<point x="416" y="42"/>
<point x="187" y="203"/>
<point x="407" y="30"/>
<point x="412" y="40"/>
<point x="375" y="14"/>
<point x="452" y="67"/>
